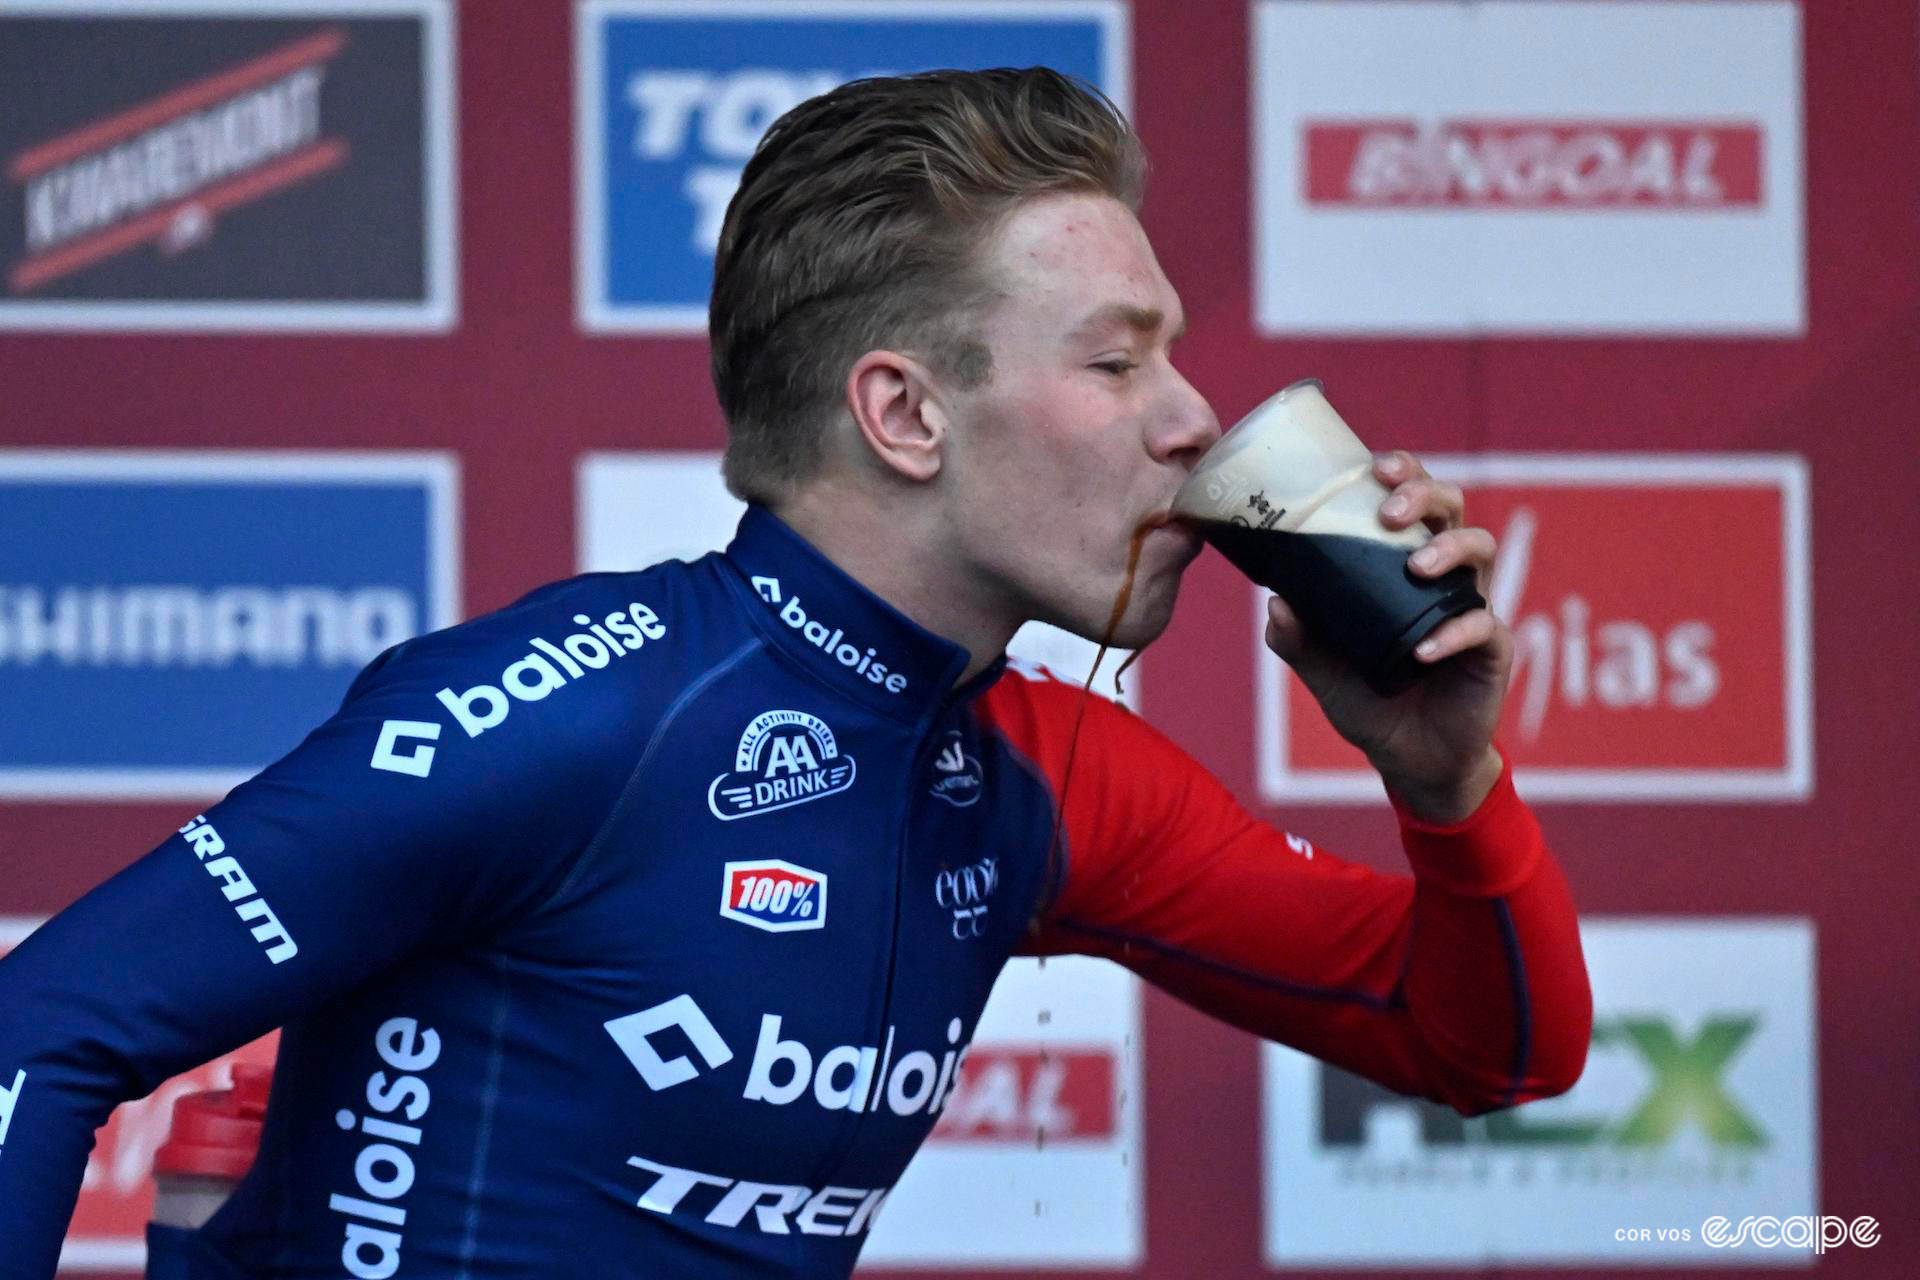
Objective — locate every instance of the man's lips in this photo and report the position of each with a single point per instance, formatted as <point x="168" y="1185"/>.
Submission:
<point x="1164" y="526"/>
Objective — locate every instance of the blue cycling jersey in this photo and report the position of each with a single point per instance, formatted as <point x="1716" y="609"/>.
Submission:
<point x="639" y="929"/>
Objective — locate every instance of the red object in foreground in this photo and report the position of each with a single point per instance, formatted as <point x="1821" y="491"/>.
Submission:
<point x="216" y="1132"/>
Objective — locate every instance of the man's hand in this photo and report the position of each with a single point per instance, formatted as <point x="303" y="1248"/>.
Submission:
<point x="1433" y="743"/>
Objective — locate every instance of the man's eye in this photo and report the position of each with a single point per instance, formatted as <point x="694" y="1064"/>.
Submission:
<point x="1116" y="367"/>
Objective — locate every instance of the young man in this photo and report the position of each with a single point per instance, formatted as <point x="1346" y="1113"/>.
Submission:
<point x="523" y="1038"/>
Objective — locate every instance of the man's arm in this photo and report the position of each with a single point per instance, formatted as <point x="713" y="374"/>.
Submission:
<point x="1462" y="982"/>
<point x="367" y="843"/>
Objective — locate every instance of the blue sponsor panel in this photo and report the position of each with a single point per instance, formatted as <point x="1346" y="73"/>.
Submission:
<point x="673" y="97"/>
<point x="170" y="623"/>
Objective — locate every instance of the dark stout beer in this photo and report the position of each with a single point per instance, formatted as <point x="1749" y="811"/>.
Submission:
<point x="1354" y="595"/>
<point x="1288" y="495"/>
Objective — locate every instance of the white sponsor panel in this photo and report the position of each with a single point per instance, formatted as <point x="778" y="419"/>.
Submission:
<point x="1590" y="166"/>
<point x="1041" y="1137"/>
<point x="1697" y="1101"/>
<point x="638" y="508"/>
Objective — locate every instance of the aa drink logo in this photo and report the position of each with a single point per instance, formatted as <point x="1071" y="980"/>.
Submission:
<point x="672" y="98"/>
<point x="171" y="623"/>
<point x="784" y="758"/>
<point x="1685" y="677"/>
<point x="108" y="1231"/>
<point x="1697" y="1098"/>
<point x="1040" y="1134"/>
<point x="1528" y="167"/>
<point x="273" y="165"/>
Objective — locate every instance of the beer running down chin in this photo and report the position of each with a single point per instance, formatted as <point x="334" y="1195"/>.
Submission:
<point x="1354" y="595"/>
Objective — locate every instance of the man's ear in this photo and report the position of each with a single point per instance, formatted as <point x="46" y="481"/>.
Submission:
<point x="900" y="418"/>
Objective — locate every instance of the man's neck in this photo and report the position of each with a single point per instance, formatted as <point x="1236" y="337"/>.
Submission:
<point x="900" y="558"/>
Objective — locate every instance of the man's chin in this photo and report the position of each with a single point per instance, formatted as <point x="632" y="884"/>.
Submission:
<point x="1147" y="615"/>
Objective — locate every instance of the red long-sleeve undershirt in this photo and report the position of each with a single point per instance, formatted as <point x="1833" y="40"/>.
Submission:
<point x="1462" y="982"/>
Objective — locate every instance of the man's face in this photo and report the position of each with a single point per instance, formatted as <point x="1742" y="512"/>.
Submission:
<point x="1085" y="429"/>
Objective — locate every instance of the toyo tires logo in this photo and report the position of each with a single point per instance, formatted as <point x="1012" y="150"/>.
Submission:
<point x="784" y="758"/>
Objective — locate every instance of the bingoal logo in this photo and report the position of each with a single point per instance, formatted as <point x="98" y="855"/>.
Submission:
<point x="1533" y="165"/>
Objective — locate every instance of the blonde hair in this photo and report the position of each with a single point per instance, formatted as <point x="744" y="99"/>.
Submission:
<point x="857" y="226"/>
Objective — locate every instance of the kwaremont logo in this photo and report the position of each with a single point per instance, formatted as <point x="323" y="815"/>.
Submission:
<point x="163" y="170"/>
<point x="531" y="679"/>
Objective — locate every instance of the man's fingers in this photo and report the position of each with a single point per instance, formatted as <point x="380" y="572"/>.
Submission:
<point x="1391" y="468"/>
<point x="1287" y="638"/>
<point x="1456" y="635"/>
<point x="1422" y="498"/>
<point x="1455" y="547"/>
<point x="1284" y="633"/>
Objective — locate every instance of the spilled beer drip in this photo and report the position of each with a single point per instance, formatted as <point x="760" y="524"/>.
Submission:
<point x="1120" y="603"/>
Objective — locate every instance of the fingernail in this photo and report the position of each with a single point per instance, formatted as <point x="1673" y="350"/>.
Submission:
<point x="1425" y="557"/>
<point x="1388" y="462"/>
<point x="1396" y="507"/>
<point x="1428" y="648"/>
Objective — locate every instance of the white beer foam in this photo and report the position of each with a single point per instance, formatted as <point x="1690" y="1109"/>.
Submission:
<point x="1294" y="466"/>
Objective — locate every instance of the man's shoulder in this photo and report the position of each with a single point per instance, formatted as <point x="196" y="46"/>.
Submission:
<point x="1042" y="713"/>
<point x="585" y="662"/>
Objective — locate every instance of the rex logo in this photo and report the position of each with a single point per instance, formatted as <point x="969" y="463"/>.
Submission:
<point x="402" y="744"/>
<point x="1685" y="1087"/>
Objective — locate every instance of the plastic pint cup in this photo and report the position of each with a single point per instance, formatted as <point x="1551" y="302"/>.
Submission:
<point x="1288" y="495"/>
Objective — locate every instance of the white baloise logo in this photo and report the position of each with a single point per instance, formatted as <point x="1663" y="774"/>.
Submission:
<point x="784" y="758"/>
<point x="845" y="1077"/>
<point x="531" y="679"/>
<point x="831" y="640"/>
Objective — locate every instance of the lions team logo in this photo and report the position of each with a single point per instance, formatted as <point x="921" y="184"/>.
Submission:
<point x="785" y="758"/>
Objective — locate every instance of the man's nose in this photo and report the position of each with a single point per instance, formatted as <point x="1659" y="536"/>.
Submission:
<point x="1189" y="428"/>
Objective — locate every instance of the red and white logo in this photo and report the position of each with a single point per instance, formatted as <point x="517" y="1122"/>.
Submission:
<point x="1442" y="164"/>
<point x="1031" y="1095"/>
<point x="780" y="897"/>
<point x="1424" y="166"/>
<point x="1040" y="1134"/>
<point x="1682" y="675"/>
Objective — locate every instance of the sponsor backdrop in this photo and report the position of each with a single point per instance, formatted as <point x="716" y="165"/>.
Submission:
<point x="322" y="324"/>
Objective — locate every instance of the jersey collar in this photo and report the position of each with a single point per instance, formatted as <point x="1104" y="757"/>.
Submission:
<point x="850" y="637"/>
